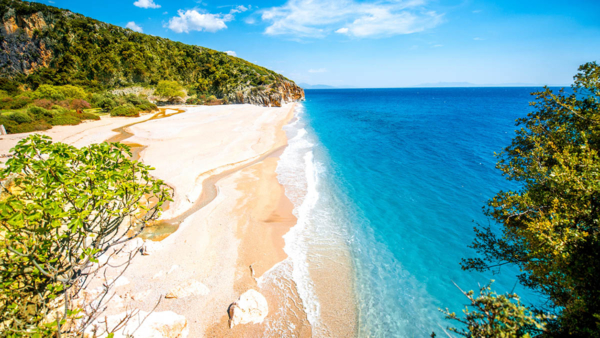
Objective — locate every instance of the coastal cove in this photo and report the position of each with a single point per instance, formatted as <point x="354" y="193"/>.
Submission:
<point x="341" y="208"/>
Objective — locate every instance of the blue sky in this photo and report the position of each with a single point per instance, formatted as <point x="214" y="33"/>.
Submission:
<point x="378" y="43"/>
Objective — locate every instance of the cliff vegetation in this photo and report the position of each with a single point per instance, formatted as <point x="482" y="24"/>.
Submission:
<point x="46" y="45"/>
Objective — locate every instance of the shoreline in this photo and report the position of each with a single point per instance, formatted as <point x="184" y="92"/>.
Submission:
<point x="226" y="226"/>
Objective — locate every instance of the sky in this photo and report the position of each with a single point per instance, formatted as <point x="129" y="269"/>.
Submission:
<point x="378" y="43"/>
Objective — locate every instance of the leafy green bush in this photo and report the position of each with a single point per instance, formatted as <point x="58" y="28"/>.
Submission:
<point x="40" y="113"/>
<point x="169" y="90"/>
<point x="20" y="117"/>
<point x="87" y="116"/>
<point x="14" y="102"/>
<point x="134" y="100"/>
<point x="49" y="92"/>
<point x="37" y="125"/>
<point x="147" y="107"/>
<point x="65" y="120"/>
<point x="69" y="206"/>
<point x="9" y="86"/>
<point x="72" y="92"/>
<point x="8" y="124"/>
<point x="59" y="109"/>
<point x="126" y="110"/>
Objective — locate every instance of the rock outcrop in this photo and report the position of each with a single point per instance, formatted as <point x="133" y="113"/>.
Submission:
<point x="165" y="324"/>
<point x="252" y="307"/>
<point x="23" y="50"/>
<point x="273" y="95"/>
<point x="190" y="288"/>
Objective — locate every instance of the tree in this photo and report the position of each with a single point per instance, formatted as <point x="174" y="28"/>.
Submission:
<point x="493" y="315"/>
<point x="64" y="220"/>
<point x="170" y="90"/>
<point x="550" y="226"/>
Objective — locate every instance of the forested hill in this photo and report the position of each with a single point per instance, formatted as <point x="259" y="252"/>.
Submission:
<point x="47" y="45"/>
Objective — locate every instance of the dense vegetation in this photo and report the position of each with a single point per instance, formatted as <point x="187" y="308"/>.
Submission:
<point x="25" y="111"/>
<point x="65" y="208"/>
<point x="550" y="227"/>
<point x="58" y="47"/>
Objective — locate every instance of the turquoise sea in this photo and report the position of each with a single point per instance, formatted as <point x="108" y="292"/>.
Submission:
<point x="399" y="176"/>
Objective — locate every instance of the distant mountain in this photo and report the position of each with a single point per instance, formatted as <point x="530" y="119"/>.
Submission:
<point x="448" y="84"/>
<point x="468" y="84"/>
<point x="41" y="44"/>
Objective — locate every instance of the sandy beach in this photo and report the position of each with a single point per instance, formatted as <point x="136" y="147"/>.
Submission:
<point x="226" y="223"/>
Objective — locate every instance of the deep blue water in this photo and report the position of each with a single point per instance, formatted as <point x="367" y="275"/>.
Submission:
<point x="413" y="169"/>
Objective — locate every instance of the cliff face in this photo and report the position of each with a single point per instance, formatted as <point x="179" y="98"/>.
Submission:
<point x="23" y="51"/>
<point x="45" y="45"/>
<point x="272" y="96"/>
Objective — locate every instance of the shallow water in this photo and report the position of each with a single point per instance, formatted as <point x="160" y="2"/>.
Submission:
<point x="397" y="177"/>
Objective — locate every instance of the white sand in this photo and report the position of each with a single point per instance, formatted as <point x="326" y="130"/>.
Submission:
<point x="214" y="245"/>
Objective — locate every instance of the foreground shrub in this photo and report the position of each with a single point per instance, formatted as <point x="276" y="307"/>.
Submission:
<point x="127" y="110"/>
<point x="69" y="207"/>
<point x="548" y="227"/>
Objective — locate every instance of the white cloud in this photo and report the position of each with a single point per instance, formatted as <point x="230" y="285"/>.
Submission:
<point x="309" y="18"/>
<point x="478" y="39"/>
<point x="134" y="27"/>
<point x="437" y="46"/>
<point x="192" y="20"/>
<point x="320" y="70"/>
<point x="239" y="9"/>
<point x="230" y="52"/>
<point x="146" y="4"/>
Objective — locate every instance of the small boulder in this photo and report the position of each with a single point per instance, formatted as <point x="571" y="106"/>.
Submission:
<point x="252" y="307"/>
<point x="190" y="288"/>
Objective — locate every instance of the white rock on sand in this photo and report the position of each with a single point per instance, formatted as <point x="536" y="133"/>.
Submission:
<point x="190" y="288"/>
<point x="165" y="324"/>
<point x="252" y="307"/>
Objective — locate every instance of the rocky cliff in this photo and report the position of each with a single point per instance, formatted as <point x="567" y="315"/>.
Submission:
<point x="46" y="45"/>
<point x="271" y="96"/>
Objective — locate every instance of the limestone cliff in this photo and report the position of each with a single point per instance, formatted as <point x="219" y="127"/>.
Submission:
<point x="271" y="96"/>
<point x="22" y="49"/>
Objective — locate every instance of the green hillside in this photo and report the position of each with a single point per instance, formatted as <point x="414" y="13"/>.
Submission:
<point x="47" y="45"/>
